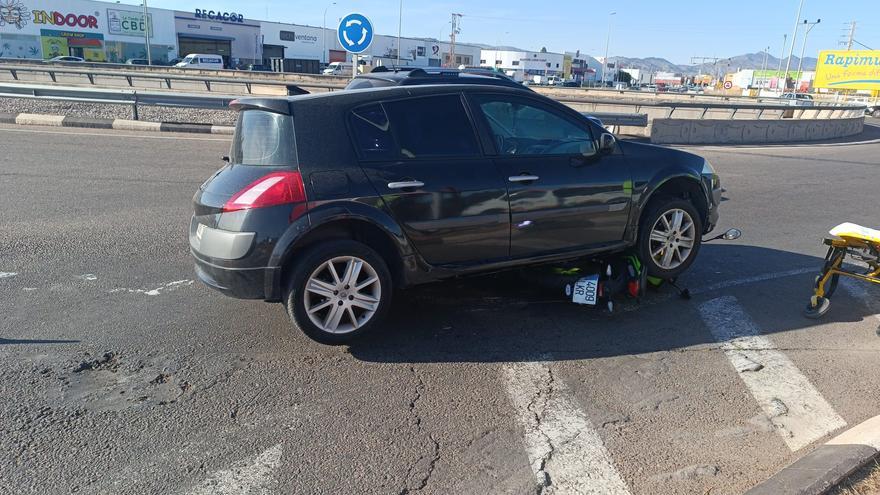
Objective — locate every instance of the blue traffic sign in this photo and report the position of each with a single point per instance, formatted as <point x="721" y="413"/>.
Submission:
<point x="355" y="33"/>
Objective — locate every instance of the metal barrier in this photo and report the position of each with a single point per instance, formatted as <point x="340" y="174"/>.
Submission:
<point x="172" y="80"/>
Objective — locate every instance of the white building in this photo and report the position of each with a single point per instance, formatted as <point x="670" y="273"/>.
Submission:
<point x="95" y="31"/>
<point x="522" y="64"/>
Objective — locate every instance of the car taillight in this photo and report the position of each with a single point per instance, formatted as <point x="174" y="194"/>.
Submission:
<point x="275" y="189"/>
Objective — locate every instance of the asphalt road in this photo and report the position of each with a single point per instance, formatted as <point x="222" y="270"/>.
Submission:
<point x="119" y="374"/>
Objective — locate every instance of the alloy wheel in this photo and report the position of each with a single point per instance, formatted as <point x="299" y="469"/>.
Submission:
<point x="672" y="239"/>
<point x="342" y="294"/>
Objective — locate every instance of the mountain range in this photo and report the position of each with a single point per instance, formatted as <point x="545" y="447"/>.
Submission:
<point x="730" y="64"/>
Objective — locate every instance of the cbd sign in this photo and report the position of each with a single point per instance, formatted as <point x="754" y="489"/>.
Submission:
<point x="59" y="19"/>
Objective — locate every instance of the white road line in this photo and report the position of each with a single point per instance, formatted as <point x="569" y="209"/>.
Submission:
<point x="858" y="290"/>
<point x="254" y="477"/>
<point x="751" y="280"/>
<point x="169" y="287"/>
<point x="565" y="452"/>
<point x="8" y="274"/>
<point x="115" y="134"/>
<point x="797" y="410"/>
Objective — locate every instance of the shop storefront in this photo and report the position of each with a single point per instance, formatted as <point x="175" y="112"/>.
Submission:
<point x="226" y="34"/>
<point x="95" y="31"/>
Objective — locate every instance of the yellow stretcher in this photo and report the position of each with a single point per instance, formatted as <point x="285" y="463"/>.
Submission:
<point x="853" y="242"/>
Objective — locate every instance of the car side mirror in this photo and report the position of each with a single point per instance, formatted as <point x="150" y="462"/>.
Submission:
<point x="607" y="142"/>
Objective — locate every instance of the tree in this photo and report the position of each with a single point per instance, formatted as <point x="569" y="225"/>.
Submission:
<point x="543" y="49"/>
<point x="624" y="77"/>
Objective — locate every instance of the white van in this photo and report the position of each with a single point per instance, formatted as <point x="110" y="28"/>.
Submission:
<point x="337" y="69"/>
<point x="201" y="61"/>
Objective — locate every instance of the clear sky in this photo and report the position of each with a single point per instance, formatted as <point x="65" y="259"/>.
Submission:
<point x="676" y="30"/>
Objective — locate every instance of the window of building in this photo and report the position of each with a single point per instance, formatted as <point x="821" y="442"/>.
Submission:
<point x="287" y="36"/>
<point x="482" y="61"/>
<point x="420" y="51"/>
<point x="516" y="62"/>
<point x="548" y="64"/>
<point x="497" y="62"/>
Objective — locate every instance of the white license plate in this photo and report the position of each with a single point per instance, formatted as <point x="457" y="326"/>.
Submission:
<point x="585" y="290"/>
<point x="200" y="230"/>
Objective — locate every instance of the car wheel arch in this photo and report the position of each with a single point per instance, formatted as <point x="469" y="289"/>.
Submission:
<point x="684" y="186"/>
<point x="353" y="227"/>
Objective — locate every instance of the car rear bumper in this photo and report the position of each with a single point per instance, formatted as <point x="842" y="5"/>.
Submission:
<point x="242" y="283"/>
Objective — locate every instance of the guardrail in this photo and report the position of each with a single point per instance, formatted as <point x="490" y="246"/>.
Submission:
<point x="172" y="80"/>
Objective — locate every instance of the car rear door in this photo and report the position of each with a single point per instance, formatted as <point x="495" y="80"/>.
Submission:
<point x="423" y="158"/>
<point x="564" y="194"/>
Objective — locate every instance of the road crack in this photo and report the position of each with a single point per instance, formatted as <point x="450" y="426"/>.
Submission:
<point x="434" y="455"/>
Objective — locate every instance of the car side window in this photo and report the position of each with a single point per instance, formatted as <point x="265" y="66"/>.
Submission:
<point x="522" y="128"/>
<point x="372" y="133"/>
<point x="432" y="126"/>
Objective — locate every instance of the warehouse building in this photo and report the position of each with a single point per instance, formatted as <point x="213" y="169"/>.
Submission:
<point x="523" y="65"/>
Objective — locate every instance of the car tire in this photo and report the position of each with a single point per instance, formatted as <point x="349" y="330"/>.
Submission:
<point x="652" y="227"/>
<point x="326" y="309"/>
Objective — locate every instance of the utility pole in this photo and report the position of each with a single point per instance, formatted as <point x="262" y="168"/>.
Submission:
<point x="702" y="61"/>
<point x="456" y="18"/>
<point x="797" y="22"/>
<point x="852" y="35"/>
<point x="781" y="56"/>
<point x="147" y="34"/>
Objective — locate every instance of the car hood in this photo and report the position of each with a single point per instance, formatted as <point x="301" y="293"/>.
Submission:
<point x="661" y="154"/>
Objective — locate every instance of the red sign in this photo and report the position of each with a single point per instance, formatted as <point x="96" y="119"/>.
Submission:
<point x="59" y="19"/>
<point x="728" y="85"/>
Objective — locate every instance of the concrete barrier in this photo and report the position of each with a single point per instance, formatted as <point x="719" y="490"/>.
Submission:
<point x="683" y="131"/>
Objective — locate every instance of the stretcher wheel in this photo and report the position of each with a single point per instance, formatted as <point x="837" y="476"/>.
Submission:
<point x="831" y="286"/>
<point x="817" y="308"/>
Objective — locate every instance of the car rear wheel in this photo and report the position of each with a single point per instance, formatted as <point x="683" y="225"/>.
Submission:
<point x="339" y="291"/>
<point x="670" y="237"/>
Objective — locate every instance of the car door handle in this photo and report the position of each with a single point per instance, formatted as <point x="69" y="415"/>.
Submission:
<point x="523" y="178"/>
<point x="409" y="184"/>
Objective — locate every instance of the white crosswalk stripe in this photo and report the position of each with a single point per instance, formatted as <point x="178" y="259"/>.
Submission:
<point x="565" y="451"/>
<point x="797" y="410"/>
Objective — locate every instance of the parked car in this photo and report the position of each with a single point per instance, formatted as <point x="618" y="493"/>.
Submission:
<point x="257" y="68"/>
<point x="798" y="99"/>
<point x="137" y="61"/>
<point x="873" y="110"/>
<point x="67" y="58"/>
<point x="329" y="202"/>
<point x="201" y="61"/>
<point x="337" y="69"/>
<point x="571" y="84"/>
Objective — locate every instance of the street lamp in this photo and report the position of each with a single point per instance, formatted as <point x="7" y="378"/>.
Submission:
<point x="607" y="43"/>
<point x="797" y="20"/>
<point x="764" y="65"/>
<point x="147" y="34"/>
<point x="324" y="35"/>
<point x="809" y="27"/>
<point x="399" y="25"/>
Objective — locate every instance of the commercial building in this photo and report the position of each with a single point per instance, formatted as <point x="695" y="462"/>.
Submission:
<point x="580" y="67"/>
<point x="227" y="34"/>
<point x="95" y="31"/>
<point x="522" y="64"/>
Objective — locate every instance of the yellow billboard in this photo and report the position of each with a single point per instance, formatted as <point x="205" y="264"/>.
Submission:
<point x="848" y="69"/>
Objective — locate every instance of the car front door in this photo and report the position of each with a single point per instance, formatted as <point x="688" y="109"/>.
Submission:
<point x="564" y="194"/>
<point x="423" y="157"/>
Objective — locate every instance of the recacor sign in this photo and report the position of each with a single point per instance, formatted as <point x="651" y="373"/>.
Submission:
<point x="848" y="69"/>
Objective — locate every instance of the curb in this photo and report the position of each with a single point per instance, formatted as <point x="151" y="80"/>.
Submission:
<point x="828" y="465"/>
<point x="118" y="124"/>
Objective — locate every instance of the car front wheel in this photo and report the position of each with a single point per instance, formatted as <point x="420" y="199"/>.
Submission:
<point x="339" y="291"/>
<point x="670" y="237"/>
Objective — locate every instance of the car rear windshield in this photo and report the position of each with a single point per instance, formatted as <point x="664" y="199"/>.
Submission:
<point x="263" y="139"/>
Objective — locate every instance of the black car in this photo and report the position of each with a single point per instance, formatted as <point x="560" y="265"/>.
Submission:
<point x="331" y="201"/>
